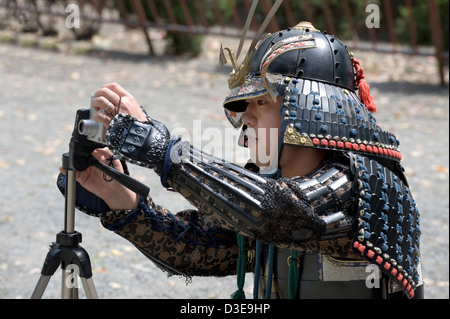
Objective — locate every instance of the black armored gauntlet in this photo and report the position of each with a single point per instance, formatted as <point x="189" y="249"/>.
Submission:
<point x="141" y="143"/>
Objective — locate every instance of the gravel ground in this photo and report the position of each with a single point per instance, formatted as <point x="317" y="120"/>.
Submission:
<point x="41" y="89"/>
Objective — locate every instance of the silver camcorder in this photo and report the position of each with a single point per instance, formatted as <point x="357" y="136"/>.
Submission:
<point x="93" y="130"/>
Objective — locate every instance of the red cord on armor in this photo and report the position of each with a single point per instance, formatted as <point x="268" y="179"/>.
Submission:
<point x="363" y="88"/>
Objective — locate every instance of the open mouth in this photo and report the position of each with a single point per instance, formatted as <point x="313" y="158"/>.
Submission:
<point x="250" y="137"/>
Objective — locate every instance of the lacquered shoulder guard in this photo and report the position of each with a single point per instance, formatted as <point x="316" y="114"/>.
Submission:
<point x="388" y="232"/>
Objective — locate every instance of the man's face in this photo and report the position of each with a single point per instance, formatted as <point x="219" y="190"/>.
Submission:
<point x="262" y="117"/>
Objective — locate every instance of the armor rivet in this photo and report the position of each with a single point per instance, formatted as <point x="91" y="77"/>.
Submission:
<point x="286" y="113"/>
<point x="287" y="79"/>
<point x="346" y="91"/>
<point x="290" y="131"/>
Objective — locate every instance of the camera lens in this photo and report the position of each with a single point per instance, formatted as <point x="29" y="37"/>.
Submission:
<point x="88" y="127"/>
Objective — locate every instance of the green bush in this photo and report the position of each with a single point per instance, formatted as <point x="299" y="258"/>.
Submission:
<point x="182" y="43"/>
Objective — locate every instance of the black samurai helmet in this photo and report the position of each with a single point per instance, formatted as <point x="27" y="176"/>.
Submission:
<point x="326" y="101"/>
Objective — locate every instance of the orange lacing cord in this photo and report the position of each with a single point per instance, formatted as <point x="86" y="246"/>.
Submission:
<point x="363" y="88"/>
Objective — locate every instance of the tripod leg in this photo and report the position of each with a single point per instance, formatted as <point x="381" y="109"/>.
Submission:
<point x="89" y="288"/>
<point x="70" y="274"/>
<point x="48" y="269"/>
<point x="40" y="287"/>
<point x="69" y="285"/>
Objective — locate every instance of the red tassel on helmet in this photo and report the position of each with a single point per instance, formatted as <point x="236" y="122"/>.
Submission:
<point x="363" y="88"/>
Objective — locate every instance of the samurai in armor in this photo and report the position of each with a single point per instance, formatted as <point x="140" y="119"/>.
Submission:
<point x="328" y="215"/>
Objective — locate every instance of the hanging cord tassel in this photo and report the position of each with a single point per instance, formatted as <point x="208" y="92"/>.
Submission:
<point x="239" y="293"/>
<point x="293" y="262"/>
<point x="363" y="88"/>
<point x="270" y="272"/>
<point x="257" y="269"/>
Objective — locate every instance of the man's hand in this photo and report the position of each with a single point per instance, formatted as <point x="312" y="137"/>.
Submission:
<point x="116" y="196"/>
<point x="112" y="98"/>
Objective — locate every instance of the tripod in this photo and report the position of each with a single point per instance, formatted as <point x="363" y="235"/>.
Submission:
<point x="66" y="251"/>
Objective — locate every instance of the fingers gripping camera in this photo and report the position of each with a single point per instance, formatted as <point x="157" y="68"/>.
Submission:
<point x="141" y="143"/>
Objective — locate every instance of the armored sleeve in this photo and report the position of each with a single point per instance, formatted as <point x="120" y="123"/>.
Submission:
<point x="188" y="243"/>
<point x="311" y="213"/>
<point x="300" y="213"/>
